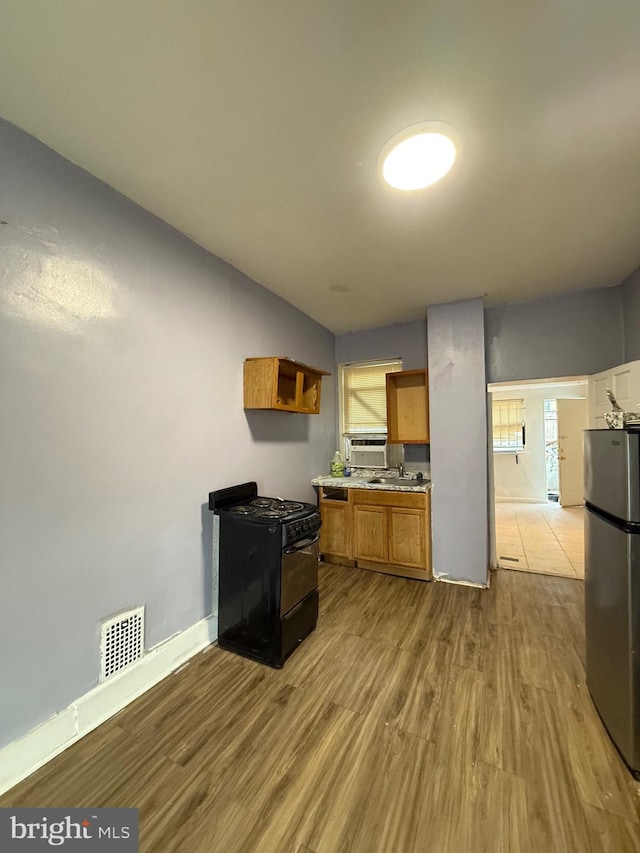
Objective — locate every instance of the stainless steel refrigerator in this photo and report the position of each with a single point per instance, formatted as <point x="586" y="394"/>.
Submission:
<point x="612" y="583"/>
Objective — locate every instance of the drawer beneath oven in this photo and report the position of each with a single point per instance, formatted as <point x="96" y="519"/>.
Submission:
<point x="298" y="623"/>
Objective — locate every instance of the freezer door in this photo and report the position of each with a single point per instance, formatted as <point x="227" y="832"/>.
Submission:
<point x="612" y="472"/>
<point x="612" y="614"/>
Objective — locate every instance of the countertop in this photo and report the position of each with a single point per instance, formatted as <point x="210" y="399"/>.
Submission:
<point x="360" y="478"/>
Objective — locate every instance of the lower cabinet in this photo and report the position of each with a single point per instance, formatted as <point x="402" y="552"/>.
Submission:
<point x="377" y="529"/>
<point x="335" y="533"/>
<point x="370" y="527"/>
<point x="407" y="537"/>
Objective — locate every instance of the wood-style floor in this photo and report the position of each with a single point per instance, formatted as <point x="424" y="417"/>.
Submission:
<point x="418" y="717"/>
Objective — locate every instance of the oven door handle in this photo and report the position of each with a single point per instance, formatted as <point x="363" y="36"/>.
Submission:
<point x="300" y="546"/>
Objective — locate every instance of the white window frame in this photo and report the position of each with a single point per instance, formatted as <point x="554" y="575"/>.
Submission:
<point x="395" y="364"/>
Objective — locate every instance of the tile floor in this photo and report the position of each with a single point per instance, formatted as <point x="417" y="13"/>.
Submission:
<point x="545" y="538"/>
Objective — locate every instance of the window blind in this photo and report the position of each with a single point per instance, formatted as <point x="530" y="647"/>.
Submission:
<point x="364" y="396"/>
<point x="508" y="424"/>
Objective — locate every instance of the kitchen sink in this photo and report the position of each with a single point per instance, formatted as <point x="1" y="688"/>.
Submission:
<point x="396" y="481"/>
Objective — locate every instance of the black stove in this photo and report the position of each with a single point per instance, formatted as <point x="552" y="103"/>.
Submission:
<point x="268" y="572"/>
<point x="296" y="518"/>
<point x="262" y="508"/>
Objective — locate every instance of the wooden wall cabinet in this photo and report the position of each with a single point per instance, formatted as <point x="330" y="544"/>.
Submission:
<point x="282" y="384"/>
<point x="408" y="407"/>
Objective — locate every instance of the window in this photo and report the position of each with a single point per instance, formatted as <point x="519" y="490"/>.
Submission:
<point x="551" y="447"/>
<point x="363" y="396"/>
<point x="508" y="425"/>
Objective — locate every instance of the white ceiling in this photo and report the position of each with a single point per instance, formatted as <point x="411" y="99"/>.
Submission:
<point x="254" y="127"/>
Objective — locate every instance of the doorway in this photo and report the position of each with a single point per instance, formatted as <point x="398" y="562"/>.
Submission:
<point x="551" y="449"/>
<point x="537" y="474"/>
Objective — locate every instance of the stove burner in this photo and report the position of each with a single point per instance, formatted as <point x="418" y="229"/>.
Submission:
<point x="272" y="513"/>
<point x="247" y="507"/>
<point x="290" y="506"/>
<point x="242" y="509"/>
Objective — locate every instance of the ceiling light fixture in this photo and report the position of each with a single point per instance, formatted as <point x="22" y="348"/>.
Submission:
<point x="418" y="156"/>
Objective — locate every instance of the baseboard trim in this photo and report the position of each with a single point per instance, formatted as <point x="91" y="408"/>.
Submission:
<point x="445" y="579"/>
<point x="24" y="756"/>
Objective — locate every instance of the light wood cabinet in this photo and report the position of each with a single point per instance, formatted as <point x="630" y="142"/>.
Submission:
<point x="282" y="384"/>
<point x="378" y="529"/>
<point x="399" y="540"/>
<point x="408" y="407"/>
<point x="370" y="529"/>
<point x="407" y="540"/>
<point x="336" y="533"/>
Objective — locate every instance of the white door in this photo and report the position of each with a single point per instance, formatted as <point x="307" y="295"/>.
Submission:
<point x="572" y="420"/>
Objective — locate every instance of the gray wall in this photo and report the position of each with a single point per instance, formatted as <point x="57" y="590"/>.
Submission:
<point x="407" y="341"/>
<point x="572" y="335"/>
<point x="121" y="352"/>
<point x="458" y="405"/>
<point x="631" y="303"/>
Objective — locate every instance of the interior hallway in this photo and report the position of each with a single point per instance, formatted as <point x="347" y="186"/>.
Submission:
<point x="544" y="538"/>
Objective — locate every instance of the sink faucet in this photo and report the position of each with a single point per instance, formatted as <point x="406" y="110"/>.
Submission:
<point x="401" y="471"/>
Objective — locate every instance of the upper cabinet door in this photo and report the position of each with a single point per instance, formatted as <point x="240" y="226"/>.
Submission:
<point x="623" y="382"/>
<point x="282" y="384"/>
<point x="408" y="407"/>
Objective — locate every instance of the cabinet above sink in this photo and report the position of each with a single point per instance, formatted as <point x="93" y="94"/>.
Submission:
<point x="408" y="407"/>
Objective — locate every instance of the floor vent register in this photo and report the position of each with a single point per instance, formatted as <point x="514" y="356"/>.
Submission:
<point x="121" y="641"/>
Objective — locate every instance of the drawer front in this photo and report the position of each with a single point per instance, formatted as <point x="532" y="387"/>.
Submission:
<point x="333" y="493"/>
<point x="381" y="497"/>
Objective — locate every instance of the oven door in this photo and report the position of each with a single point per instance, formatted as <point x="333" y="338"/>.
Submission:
<point x="299" y="572"/>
